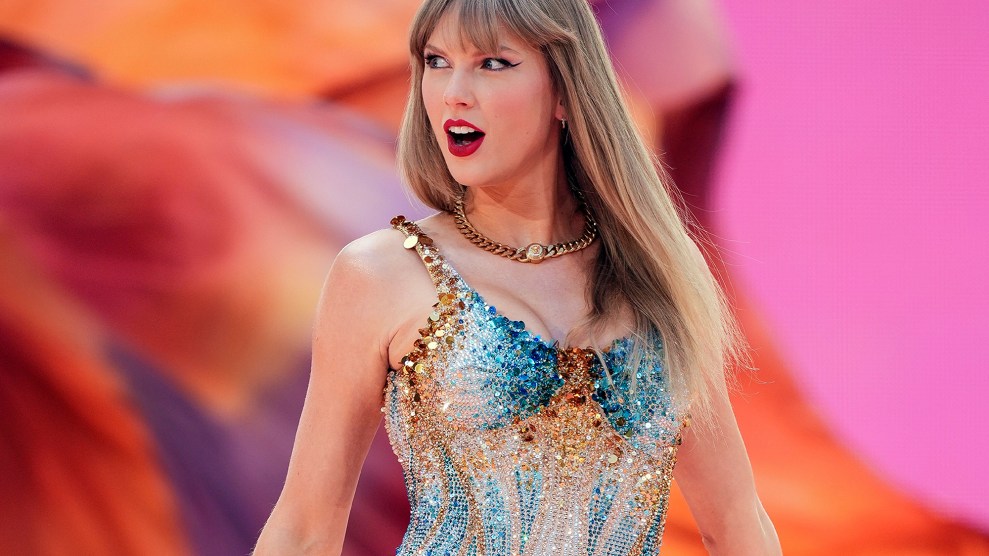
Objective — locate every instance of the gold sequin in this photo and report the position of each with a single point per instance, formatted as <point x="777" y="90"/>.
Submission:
<point x="481" y="460"/>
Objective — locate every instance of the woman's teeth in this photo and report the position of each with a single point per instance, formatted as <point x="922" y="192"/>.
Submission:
<point x="464" y="135"/>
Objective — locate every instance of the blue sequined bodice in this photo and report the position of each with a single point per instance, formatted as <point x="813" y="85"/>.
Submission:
<point x="511" y="445"/>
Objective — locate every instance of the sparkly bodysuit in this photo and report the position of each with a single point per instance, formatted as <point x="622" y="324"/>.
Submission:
<point x="511" y="445"/>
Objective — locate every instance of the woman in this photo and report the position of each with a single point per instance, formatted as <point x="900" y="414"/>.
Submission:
<point x="552" y="207"/>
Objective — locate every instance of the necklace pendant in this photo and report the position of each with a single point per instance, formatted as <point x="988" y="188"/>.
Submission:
<point x="532" y="253"/>
<point x="535" y="252"/>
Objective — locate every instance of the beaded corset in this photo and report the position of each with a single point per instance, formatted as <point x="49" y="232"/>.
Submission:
<point x="511" y="445"/>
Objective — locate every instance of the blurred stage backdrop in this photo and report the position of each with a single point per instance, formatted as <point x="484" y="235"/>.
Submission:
<point x="176" y="177"/>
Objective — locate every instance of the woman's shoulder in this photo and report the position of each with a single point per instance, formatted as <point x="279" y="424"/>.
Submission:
<point x="376" y="254"/>
<point x="378" y="257"/>
<point x="382" y="284"/>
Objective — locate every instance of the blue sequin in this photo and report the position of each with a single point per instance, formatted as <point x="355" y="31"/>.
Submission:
<point x="513" y="445"/>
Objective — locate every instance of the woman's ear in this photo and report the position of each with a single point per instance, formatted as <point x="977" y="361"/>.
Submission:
<point x="561" y="113"/>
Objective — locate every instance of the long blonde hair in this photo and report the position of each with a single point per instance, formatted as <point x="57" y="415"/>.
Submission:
<point x="649" y="258"/>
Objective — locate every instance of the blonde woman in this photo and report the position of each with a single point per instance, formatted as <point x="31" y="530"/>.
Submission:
<point x="536" y="345"/>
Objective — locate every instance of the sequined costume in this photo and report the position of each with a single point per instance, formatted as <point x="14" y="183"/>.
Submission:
<point x="511" y="445"/>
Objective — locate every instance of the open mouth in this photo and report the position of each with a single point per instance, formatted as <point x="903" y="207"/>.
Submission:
<point x="463" y="138"/>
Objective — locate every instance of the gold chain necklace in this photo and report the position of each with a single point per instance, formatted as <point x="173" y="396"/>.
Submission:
<point x="534" y="252"/>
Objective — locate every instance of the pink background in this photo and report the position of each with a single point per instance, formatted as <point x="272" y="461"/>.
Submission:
<point x="157" y="284"/>
<point x="853" y="200"/>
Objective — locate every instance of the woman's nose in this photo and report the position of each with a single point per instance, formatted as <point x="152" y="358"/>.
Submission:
<point x="458" y="91"/>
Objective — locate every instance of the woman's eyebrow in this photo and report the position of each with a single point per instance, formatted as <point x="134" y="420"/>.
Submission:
<point x="431" y="47"/>
<point x="475" y="52"/>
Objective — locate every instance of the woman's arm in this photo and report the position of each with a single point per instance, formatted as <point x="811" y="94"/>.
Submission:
<point x="342" y="409"/>
<point x="715" y="476"/>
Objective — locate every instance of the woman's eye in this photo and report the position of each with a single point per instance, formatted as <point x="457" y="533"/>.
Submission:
<point x="434" y="61"/>
<point x="497" y="64"/>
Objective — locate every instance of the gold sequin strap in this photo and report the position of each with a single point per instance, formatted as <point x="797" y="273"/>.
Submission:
<point x="416" y="239"/>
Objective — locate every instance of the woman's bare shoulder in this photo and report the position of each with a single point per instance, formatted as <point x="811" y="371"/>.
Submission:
<point x="377" y="272"/>
<point x="373" y="260"/>
<point x="380" y="253"/>
<point x="374" y="254"/>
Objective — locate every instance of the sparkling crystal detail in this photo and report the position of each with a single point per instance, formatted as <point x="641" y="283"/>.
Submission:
<point x="512" y="445"/>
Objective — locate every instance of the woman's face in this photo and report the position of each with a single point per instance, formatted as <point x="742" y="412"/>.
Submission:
<point x="494" y="114"/>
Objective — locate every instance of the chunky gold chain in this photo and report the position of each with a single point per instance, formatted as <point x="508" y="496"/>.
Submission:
<point x="534" y="252"/>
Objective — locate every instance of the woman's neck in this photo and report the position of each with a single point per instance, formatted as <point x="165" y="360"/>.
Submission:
<point x="520" y="214"/>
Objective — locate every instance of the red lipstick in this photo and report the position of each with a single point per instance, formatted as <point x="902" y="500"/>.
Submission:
<point x="464" y="139"/>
